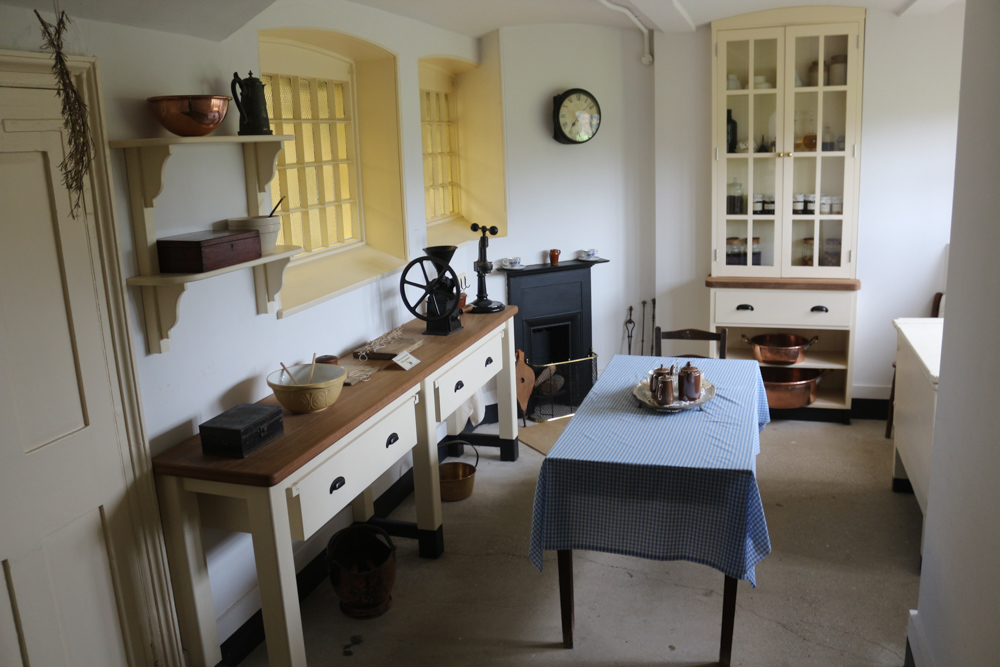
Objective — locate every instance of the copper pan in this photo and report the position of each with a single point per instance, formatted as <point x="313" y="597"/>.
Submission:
<point x="780" y="348"/>
<point x="790" y="387"/>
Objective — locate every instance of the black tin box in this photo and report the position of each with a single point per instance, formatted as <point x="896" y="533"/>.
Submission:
<point x="241" y="430"/>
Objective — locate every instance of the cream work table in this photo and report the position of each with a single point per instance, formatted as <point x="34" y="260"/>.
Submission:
<point x="324" y="462"/>
<point x="918" y="364"/>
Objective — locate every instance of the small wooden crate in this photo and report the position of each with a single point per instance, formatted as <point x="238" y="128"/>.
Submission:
<point x="199" y="252"/>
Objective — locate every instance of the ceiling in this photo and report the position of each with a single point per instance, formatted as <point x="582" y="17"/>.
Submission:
<point x="217" y="19"/>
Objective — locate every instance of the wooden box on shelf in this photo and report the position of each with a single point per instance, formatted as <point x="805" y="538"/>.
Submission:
<point x="199" y="252"/>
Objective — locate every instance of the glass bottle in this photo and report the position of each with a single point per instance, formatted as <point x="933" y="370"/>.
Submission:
<point x="831" y="252"/>
<point x="734" y="198"/>
<point x="828" y="141"/>
<point x="735" y="251"/>
<point x="808" y="251"/>
<point x="730" y="132"/>
<point x="755" y="250"/>
<point x="809" y="136"/>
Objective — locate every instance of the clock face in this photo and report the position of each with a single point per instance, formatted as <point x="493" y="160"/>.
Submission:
<point x="577" y="116"/>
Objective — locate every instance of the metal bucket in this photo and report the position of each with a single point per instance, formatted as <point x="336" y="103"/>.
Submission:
<point x="457" y="477"/>
<point x="361" y="560"/>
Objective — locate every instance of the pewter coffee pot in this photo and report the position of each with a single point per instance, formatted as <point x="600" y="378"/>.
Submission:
<point x="253" y="107"/>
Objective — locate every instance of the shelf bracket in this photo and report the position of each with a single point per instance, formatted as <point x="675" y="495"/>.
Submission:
<point x="268" y="279"/>
<point x="160" y="305"/>
<point x="148" y="162"/>
<point x="260" y="160"/>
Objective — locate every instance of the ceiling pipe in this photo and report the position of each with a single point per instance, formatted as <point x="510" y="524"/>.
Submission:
<point x="647" y="58"/>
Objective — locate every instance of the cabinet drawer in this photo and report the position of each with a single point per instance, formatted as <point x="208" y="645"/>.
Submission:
<point x="457" y="385"/>
<point x="370" y="450"/>
<point x="786" y="308"/>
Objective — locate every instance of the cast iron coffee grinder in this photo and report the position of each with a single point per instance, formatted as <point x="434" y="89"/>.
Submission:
<point x="431" y="282"/>
<point x="482" y="304"/>
<point x="253" y="108"/>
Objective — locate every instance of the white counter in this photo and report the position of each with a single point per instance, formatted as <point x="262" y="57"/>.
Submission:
<point x="923" y="335"/>
<point x="918" y="366"/>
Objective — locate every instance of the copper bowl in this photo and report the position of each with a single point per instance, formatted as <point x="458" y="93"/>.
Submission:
<point x="790" y="387"/>
<point x="780" y="348"/>
<point x="190" y="115"/>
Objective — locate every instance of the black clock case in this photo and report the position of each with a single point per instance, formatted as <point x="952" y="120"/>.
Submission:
<point x="557" y="101"/>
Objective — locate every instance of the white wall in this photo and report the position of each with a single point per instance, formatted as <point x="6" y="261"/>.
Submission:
<point x="573" y="197"/>
<point x="683" y="231"/>
<point x="910" y="116"/>
<point x="956" y="617"/>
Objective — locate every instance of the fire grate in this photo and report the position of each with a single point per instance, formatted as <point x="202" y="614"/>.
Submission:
<point x="560" y="387"/>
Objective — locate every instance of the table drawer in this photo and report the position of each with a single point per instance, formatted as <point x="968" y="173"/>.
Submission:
<point x="457" y="385"/>
<point x="786" y="308"/>
<point x="369" y="450"/>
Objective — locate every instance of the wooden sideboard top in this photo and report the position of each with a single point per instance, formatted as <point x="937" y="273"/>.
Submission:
<point x="741" y="282"/>
<point x="307" y="436"/>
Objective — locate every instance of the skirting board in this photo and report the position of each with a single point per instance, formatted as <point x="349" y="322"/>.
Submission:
<point x="915" y="641"/>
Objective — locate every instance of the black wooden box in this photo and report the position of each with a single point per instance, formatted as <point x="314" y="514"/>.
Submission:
<point x="241" y="430"/>
<point x="206" y="251"/>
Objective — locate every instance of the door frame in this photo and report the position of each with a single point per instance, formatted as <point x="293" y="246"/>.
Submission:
<point x="150" y="626"/>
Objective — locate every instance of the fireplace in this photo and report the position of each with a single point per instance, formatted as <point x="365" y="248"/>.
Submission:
<point x="553" y="327"/>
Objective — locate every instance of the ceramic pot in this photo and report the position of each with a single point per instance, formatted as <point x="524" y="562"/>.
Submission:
<point x="268" y="225"/>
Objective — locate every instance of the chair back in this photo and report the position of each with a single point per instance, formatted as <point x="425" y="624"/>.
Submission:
<point x="721" y="337"/>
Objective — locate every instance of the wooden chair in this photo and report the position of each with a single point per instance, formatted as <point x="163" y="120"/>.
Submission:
<point x="935" y="312"/>
<point x="690" y="334"/>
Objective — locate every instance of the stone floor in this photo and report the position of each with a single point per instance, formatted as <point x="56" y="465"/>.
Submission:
<point x="836" y="589"/>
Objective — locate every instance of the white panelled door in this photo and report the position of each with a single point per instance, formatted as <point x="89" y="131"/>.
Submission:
<point x="65" y="524"/>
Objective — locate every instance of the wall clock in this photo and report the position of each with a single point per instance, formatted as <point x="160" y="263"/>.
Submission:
<point x="576" y="116"/>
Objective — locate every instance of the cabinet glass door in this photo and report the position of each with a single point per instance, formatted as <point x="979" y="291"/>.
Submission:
<point x="750" y="82"/>
<point x="820" y="66"/>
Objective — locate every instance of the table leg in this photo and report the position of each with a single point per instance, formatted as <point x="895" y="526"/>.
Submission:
<point x="279" y="595"/>
<point x="426" y="478"/>
<point x="507" y="397"/>
<point x="728" y="620"/>
<point x="565" y="558"/>
<point x="188" y="571"/>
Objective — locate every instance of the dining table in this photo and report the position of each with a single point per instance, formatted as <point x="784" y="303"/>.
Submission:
<point x="663" y="483"/>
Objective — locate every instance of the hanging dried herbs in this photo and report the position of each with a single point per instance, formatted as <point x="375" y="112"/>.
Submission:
<point x="76" y="164"/>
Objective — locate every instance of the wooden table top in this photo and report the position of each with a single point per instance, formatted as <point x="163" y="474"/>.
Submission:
<point x="307" y="436"/>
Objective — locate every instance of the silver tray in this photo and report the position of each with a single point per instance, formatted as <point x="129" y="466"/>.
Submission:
<point x="641" y="392"/>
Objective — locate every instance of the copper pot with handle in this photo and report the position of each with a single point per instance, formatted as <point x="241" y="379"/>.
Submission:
<point x="783" y="349"/>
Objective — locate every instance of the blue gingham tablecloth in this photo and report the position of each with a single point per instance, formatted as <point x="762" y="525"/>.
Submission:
<point x="628" y="480"/>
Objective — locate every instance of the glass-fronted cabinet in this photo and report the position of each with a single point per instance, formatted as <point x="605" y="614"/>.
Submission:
<point x="786" y="128"/>
<point x="786" y="124"/>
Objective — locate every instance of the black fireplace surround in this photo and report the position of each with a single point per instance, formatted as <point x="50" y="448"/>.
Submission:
<point x="553" y="322"/>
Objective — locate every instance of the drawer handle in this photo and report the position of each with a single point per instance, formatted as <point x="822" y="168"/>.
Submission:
<point x="459" y="385"/>
<point x="820" y="309"/>
<point x="744" y="306"/>
<point x="489" y="360"/>
<point x="391" y="440"/>
<point x="337" y="483"/>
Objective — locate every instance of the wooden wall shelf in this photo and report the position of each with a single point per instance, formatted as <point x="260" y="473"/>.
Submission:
<point x="144" y="161"/>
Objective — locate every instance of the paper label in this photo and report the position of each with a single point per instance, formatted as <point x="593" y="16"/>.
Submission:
<point x="405" y="360"/>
